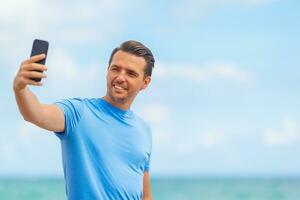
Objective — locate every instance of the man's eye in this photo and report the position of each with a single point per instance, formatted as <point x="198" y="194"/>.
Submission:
<point x="132" y="74"/>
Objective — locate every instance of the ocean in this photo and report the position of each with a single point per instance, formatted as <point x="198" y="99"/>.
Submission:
<point x="167" y="189"/>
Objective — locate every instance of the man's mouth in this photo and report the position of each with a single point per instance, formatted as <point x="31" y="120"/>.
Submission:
<point x="118" y="87"/>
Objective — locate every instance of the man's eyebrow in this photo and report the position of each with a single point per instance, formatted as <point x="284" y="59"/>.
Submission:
<point x="128" y="70"/>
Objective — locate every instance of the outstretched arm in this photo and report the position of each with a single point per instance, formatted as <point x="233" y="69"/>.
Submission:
<point x="49" y="117"/>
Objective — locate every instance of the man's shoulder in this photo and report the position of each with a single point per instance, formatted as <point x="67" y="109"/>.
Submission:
<point x="72" y="99"/>
<point x="76" y="102"/>
<point x="82" y="100"/>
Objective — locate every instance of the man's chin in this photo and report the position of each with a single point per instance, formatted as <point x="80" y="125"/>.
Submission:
<point x="119" y="98"/>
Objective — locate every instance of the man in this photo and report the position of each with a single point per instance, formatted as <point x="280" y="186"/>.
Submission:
<point x="106" y="148"/>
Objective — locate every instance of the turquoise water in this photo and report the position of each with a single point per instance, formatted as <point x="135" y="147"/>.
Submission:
<point x="164" y="189"/>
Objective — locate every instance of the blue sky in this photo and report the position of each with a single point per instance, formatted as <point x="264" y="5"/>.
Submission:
<point x="224" y="98"/>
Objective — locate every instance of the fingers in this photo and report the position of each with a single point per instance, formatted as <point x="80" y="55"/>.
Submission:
<point x="31" y="82"/>
<point x="25" y="78"/>
<point x="34" y="59"/>
<point x="33" y="74"/>
<point x="28" y="70"/>
<point x="21" y="82"/>
<point x="33" y="66"/>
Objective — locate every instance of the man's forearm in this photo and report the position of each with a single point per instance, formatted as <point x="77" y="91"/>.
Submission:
<point x="29" y="105"/>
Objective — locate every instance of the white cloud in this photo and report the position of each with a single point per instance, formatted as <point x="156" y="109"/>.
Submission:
<point x="33" y="145"/>
<point x="161" y="139"/>
<point x="289" y="134"/>
<point x="26" y="136"/>
<point x="155" y="113"/>
<point x="27" y="131"/>
<point x="8" y="151"/>
<point x="184" y="147"/>
<point x="193" y="9"/>
<point x="56" y="17"/>
<point x="208" y="141"/>
<point x="212" y="139"/>
<point x="61" y="22"/>
<point x="204" y="72"/>
<point x="65" y="77"/>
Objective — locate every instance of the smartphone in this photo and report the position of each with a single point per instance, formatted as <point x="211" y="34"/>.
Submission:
<point x="39" y="47"/>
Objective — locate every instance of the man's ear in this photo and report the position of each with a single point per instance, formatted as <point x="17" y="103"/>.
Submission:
<point x="146" y="82"/>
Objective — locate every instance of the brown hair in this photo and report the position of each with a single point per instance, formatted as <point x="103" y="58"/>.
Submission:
<point x="138" y="49"/>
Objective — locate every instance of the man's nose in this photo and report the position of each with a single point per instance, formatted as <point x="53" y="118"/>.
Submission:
<point x="120" y="77"/>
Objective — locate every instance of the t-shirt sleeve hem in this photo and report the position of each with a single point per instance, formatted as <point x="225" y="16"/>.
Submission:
<point x="147" y="169"/>
<point x="64" y="133"/>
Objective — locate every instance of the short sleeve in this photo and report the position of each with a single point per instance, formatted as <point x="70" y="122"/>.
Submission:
<point x="72" y="109"/>
<point x="148" y="160"/>
<point x="147" y="165"/>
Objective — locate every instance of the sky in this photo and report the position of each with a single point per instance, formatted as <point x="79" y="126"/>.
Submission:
<point x="224" y="96"/>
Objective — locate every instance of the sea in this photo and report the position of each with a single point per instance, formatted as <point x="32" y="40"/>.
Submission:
<point x="167" y="188"/>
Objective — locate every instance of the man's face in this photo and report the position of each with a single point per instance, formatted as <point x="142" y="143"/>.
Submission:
<point x="125" y="77"/>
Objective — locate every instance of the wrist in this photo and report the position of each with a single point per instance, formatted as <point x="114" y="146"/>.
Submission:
<point x="18" y="90"/>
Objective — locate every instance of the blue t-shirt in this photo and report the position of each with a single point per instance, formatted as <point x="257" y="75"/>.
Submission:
<point x="105" y="150"/>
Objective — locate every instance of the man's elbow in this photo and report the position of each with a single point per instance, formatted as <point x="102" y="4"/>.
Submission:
<point x="28" y="119"/>
<point x="35" y="122"/>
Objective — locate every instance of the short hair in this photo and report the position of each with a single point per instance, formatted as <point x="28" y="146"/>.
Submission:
<point x="138" y="49"/>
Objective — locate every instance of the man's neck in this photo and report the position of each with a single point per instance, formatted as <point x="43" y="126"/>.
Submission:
<point x="120" y="105"/>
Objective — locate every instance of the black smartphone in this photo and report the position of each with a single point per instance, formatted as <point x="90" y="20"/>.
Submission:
<point x="39" y="47"/>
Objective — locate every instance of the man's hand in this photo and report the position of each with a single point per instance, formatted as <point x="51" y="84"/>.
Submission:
<point x="26" y="72"/>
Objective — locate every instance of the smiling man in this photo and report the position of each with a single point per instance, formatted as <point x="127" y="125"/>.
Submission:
<point x="106" y="148"/>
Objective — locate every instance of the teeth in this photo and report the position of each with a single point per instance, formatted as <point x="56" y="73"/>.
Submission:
<point x="118" y="87"/>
